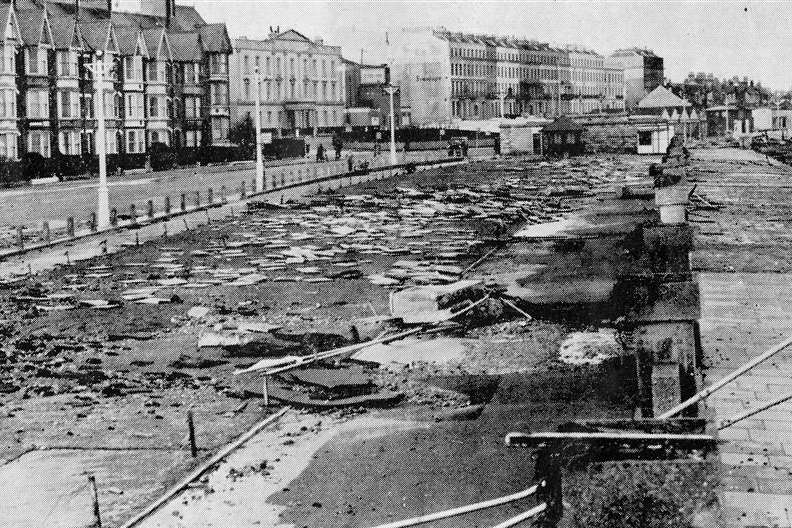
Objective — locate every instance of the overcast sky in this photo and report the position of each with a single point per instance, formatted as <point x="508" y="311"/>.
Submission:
<point x="726" y="38"/>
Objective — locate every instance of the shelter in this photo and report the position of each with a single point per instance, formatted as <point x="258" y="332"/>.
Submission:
<point x="563" y="137"/>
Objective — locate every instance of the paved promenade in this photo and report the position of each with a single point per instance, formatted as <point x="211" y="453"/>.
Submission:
<point x="745" y="278"/>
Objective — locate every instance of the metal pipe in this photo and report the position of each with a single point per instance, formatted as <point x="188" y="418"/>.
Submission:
<point x="747" y="414"/>
<point x="524" y="516"/>
<point x="423" y="519"/>
<point x="723" y="381"/>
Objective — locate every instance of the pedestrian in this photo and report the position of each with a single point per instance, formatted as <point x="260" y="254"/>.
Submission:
<point x="350" y="163"/>
<point x="320" y="153"/>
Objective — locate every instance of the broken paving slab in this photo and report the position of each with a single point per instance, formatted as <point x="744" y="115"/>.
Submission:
<point x="410" y="351"/>
<point x="422" y="304"/>
<point x="342" y="380"/>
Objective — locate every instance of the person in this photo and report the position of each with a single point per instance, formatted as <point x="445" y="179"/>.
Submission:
<point x="350" y="163"/>
<point x="320" y="153"/>
<point x="338" y="144"/>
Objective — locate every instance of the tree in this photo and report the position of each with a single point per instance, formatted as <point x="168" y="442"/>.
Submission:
<point x="243" y="133"/>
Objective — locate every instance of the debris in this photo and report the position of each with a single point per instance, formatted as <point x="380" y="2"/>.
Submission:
<point x="422" y="304"/>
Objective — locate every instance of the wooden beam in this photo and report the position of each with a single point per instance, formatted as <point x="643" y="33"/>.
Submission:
<point x="535" y="439"/>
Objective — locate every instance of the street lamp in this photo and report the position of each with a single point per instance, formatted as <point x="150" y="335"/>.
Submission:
<point x="259" y="159"/>
<point x="390" y="90"/>
<point x="103" y="199"/>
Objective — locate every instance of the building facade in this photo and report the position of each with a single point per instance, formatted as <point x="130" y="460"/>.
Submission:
<point x="302" y="82"/>
<point x="371" y="95"/>
<point x="594" y="86"/>
<point x="643" y="72"/>
<point x="166" y="78"/>
<point x="446" y="76"/>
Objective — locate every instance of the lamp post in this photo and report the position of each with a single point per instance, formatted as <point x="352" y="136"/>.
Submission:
<point x="390" y="90"/>
<point x="259" y="159"/>
<point x="103" y="198"/>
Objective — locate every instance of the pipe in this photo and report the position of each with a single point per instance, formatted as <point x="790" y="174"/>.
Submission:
<point x="723" y="381"/>
<point x="423" y="519"/>
<point x="524" y="516"/>
<point x="747" y="414"/>
<point x="203" y="468"/>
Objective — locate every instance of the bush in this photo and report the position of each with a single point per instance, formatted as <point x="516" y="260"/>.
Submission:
<point x="11" y="172"/>
<point x="162" y="157"/>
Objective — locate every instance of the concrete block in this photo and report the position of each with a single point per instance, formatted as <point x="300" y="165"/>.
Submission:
<point x="666" y="387"/>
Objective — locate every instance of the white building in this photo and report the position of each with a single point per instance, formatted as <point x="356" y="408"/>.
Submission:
<point x="302" y="82"/>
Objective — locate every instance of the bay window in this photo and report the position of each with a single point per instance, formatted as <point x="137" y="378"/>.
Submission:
<point x="36" y="61"/>
<point x="38" y="141"/>
<point x="134" y="106"/>
<point x="38" y="104"/>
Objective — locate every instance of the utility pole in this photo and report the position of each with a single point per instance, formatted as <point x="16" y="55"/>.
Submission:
<point x="259" y="158"/>
<point x="103" y="198"/>
<point x="390" y="90"/>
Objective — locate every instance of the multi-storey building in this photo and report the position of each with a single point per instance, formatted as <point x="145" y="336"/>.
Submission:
<point x="166" y="77"/>
<point x="445" y="76"/>
<point x="302" y="82"/>
<point x="594" y="86"/>
<point x="643" y="72"/>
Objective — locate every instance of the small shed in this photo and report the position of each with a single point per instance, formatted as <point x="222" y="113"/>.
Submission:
<point x="563" y="137"/>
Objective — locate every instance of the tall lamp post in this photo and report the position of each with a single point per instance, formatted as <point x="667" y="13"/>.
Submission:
<point x="390" y="90"/>
<point x="259" y="158"/>
<point x="98" y="68"/>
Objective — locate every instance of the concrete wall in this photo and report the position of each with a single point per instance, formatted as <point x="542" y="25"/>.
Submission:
<point x="519" y="139"/>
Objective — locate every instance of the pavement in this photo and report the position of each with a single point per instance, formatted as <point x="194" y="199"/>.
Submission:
<point x="31" y="206"/>
<point x="112" y="241"/>
<point x="745" y="279"/>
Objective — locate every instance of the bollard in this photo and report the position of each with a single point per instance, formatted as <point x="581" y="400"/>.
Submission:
<point x="209" y="196"/>
<point x="113" y="217"/>
<point x="183" y="205"/>
<point x="47" y="234"/>
<point x="95" y="494"/>
<point x="103" y="245"/>
<point x="20" y="237"/>
<point x="167" y="205"/>
<point x="197" y="198"/>
<point x="150" y="209"/>
<point x="68" y="260"/>
<point x="191" y="428"/>
<point x="70" y="227"/>
<point x="132" y="214"/>
<point x="224" y="194"/>
<point x="242" y="191"/>
<point x="92" y="222"/>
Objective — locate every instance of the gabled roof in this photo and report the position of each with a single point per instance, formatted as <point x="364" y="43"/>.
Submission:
<point x="291" y="34"/>
<point x="34" y="27"/>
<point x="130" y="41"/>
<point x="100" y="35"/>
<point x="157" y="43"/>
<point x="10" y="26"/>
<point x="186" y="47"/>
<point x="215" y="38"/>
<point x="563" y="124"/>
<point x="661" y="97"/>
<point x="66" y="33"/>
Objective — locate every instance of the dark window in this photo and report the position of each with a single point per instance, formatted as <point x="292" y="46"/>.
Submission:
<point x="645" y="138"/>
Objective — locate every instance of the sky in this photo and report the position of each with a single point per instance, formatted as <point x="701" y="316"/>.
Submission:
<point x="727" y="38"/>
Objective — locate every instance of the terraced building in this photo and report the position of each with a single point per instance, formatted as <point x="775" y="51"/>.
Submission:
<point x="167" y="73"/>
